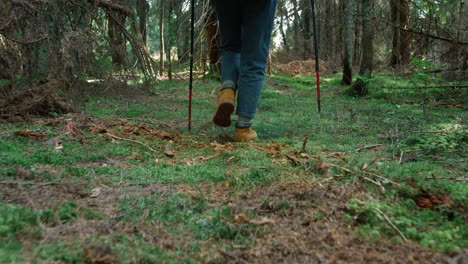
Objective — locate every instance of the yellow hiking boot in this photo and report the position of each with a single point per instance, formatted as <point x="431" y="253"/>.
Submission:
<point x="245" y="134"/>
<point x="225" y="108"/>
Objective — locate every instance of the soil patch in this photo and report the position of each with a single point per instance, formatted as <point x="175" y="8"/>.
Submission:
<point x="306" y="227"/>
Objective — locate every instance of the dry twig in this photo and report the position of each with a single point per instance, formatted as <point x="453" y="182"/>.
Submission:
<point x="448" y="179"/>
<point x="304" y="144"/>
<point x="381" y="177"/>
<point x="131" y="140"/>
<point x="36" y="184"/>
<point x="391" y="224"/>
<point x="369" y="147"/>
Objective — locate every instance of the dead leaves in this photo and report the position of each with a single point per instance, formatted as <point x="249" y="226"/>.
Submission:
<point x="272" y="148"/>
<point x="200" y="160"/>
<point x="310" y="163"/>
<point x="100" y="254"/>
<point x="430" y="200"/>
<point x="138" y="130"/>
<point x="221" y="147"/>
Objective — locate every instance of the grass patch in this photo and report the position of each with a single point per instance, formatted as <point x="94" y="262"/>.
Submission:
<point x="419" y="140"/>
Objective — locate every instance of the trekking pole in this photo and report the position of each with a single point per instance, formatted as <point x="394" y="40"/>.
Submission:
<point x="192" y="33"/>
<point x="317" y="67"/>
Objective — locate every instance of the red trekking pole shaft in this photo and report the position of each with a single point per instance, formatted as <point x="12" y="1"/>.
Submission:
<point x="192" y="33"/>
<point x="317" y="67"/>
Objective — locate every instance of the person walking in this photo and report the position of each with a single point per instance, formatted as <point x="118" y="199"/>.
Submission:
<point x="246" y="27"/>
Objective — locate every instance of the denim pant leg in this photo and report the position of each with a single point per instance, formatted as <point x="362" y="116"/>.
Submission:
<point x="229" y="16"/>
<point x="257" y="25"/>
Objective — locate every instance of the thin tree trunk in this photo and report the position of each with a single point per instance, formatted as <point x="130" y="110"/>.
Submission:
<point x="161" y="38"/>
<point x="350" y="9"/>
<point x="169" y="40"/>
<point x="360" y="87"/>
<point x="297" y="27"/>
<point x="329" y="30"/>
<point x="307" y="18"/>
<point x="213" y="40"/>
<point x="282" y="10"/>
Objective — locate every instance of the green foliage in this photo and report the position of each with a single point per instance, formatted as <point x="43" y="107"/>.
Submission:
<point x="14" y="219"/>
<point x="448" y="235"/>
<point x="67" y="211"/>
<point x="439" y="142"/>
<point x="62" y="251"/>
<point x="423" y="68"/>
<point x="180" y="212"/>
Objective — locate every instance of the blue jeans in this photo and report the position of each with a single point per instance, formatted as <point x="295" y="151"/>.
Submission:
<point x="246" y="27"/>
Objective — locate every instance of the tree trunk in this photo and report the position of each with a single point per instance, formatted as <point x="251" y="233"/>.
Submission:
<point x="161" y="38"/>
<point x="400" y="20"/>
<point x="307" y="18"/>
<point x="282" y="11"/>
<point x="357" y="33"/>
<point x="350" y="9"/>
<point x="360" y="87"/>
<point x="213" y="41"/>
<point x="328" y="31"/>
<point x="168" y="40"/>
<point x="142" y="13"/>
<point x="117" y="40"/>
<point x="297" y="27"/>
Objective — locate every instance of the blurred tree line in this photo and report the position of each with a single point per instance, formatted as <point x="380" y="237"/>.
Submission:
<point x="99" y="39"/>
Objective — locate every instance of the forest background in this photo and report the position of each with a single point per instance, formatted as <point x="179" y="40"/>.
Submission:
<point x="97" y="165"/>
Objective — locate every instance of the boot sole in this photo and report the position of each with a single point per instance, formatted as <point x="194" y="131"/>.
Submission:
<point x="223" y="114"/>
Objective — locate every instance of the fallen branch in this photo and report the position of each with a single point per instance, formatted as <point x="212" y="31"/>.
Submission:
<point x="369" y="147"/>
<point x="448" y="179"/>
<point x="21" y="41"/>
<point x="296" y="161"/>
<point x="30" y="183"/>
<point x="463" y="86"/>
<point x="432" y="132"/>
<point x="114" y="7"/>
<point x="30" y="134"/>
<point x="391" y="224"/>
<point x="381" y="177"/>
<point x="371" y="181"/>
<point x="425" y="34"/>
<point x="358" y="175"/>
<point x="131" y="140"/>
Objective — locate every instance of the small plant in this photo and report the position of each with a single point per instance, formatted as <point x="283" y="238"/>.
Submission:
<point x="14" y="219"/>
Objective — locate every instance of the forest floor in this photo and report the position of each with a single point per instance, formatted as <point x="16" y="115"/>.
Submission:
<point x="380" y="179"/>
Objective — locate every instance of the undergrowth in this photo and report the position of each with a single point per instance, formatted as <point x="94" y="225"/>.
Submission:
<point x="422" y="149"/>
